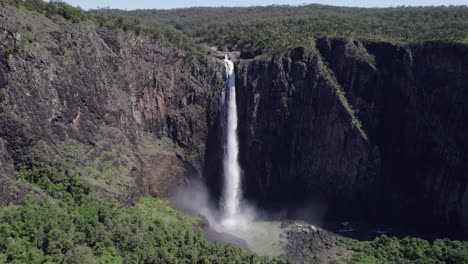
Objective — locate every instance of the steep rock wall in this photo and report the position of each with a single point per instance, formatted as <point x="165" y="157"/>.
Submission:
<point x="300" y="138"/>
<point x="371" y="130"/>
<point x="412" y="101"/>
<point x="87" y="97"/>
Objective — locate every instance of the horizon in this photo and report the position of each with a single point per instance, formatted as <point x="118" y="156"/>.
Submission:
<point x="179" y="4"/>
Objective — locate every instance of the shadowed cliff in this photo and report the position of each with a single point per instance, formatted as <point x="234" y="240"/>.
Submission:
<point x="370" y="130"/>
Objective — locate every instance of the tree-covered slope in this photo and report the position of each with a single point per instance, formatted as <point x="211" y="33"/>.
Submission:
<point x="59" y="9"/>
<point x="71" y="224"/>
<point x="276" y="28"/>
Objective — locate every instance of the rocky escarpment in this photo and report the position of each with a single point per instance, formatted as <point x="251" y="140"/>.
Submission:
<point x="301" y="138"/>
<point x="108" y="105"/>
<point x="342" y="129"/>
<point x="369" y="130"/>
<point x="414" y="105"/>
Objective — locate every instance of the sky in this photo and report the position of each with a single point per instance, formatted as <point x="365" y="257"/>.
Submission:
<point x="168" y="4"/>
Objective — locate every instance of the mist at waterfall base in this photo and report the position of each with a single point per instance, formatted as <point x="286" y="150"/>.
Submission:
<point x="249" y="229"/>
<point x="233" y="220"/>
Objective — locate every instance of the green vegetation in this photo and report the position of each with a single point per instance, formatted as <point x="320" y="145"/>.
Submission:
<point x="27" y="37"/>
<point x="9" y="51"/>
<point x="105" y="167"/>
<point x="275" y="28"/>
<point x="70" y="224"/>
<point x="51" y="9"/>
<point x="57" y="9"/>
<point x="24" y="38"/>
<point x="386" y="249"/>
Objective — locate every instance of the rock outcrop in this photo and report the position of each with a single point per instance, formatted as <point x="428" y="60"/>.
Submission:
<point x="102" y="102"/>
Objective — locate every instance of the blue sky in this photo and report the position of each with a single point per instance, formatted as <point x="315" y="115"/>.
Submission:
<point x="167" y="4"/>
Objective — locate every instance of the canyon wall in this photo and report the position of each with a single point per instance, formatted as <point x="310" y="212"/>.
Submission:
<point x="369" y="130"/>
<point x="127" y="112"/>
<point x="341" y="129"/>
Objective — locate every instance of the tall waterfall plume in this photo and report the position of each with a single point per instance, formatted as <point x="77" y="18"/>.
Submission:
<point x="232" y="172"/>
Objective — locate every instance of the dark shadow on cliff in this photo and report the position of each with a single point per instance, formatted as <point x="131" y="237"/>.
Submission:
<point x="212" y="166"/>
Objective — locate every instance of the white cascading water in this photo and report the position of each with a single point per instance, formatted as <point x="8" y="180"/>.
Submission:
<point x="232" y="181"/>
<point x="238" y="218"/>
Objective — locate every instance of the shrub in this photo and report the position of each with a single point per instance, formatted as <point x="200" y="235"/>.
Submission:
<point x="385" y="249"/>
<point x="75" y="226"/>
<point x="74" y="14"/>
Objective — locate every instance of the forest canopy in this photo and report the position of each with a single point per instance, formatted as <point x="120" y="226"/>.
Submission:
<point x="276" y="28"/>
<point x="273" y="28"/>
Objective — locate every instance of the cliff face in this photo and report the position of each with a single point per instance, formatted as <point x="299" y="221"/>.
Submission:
<point x="414" y="107"/>
<point x="300" y="137"/>
<point x="372" y="130"/>
<point x="85" y="97"/>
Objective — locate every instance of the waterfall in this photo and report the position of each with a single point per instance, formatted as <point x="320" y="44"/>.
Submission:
<point x="232" y="181"/>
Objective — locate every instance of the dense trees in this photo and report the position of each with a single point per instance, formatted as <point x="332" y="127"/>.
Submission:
<point x="70" y="224"/>
<point x="386" y="249"/>
<point x="275" y="28"/>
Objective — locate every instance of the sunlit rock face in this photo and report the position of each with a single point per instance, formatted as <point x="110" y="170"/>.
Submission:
<point x="132" y="112"/>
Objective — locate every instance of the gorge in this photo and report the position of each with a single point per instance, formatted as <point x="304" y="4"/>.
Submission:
<point x="338" y="130"/>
